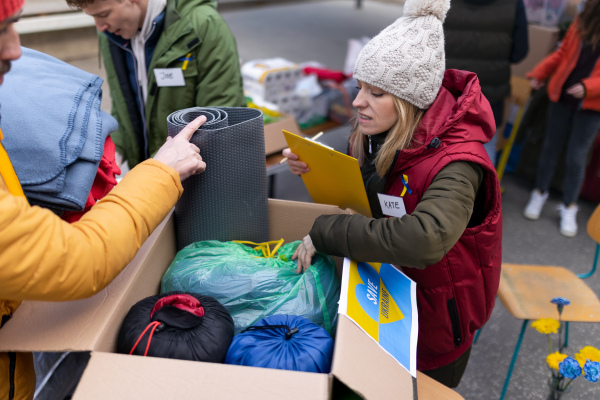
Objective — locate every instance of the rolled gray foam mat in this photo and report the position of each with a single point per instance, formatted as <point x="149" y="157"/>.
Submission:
<point x="228" y="201"/>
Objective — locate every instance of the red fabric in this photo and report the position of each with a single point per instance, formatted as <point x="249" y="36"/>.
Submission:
<point x="326" y="74"/>
<point x="559" y="65"/>
<point x="469" y="273"/>
<point x="9" y="7"/>
<point x="103" y="182"/>
<point x="182" y="301"/>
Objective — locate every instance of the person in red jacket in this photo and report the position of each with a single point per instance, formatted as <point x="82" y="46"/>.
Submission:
<point x="419" y="140"/>
<point x="573" y="118"/>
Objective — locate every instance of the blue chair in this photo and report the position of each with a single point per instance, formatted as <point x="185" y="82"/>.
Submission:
<point x="593" y="229"/>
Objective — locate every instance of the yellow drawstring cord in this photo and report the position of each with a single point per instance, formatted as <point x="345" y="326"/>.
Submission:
<point x="264" y="247"/>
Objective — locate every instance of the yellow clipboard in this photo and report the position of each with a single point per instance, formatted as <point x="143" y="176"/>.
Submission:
<point x="334" y="178"/>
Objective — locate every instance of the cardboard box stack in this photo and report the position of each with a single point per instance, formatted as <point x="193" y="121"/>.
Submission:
<point x="274" y="139"/>
<point x="92" y="325"/>
<point x="273" y="81"/>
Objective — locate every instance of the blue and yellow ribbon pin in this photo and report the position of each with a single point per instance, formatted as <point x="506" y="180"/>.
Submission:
<point x="404" y="180"/>
<point x="186" y="61"/>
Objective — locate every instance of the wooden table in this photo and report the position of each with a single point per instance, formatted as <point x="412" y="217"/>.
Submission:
<point x="526" y="292"/>
<point x="430" y="389"/>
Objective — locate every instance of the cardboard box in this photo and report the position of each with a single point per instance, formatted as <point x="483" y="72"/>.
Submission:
<point x="571" y="11"/>
<point x="274" y="139"/>
<point x="520" y="90"/>
<point x="545" y="12"/>
<point x="92" y="324"/>
<point x="542" y="41"/>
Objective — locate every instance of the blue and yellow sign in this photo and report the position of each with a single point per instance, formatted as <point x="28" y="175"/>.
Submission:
<point x="381" y="300"/>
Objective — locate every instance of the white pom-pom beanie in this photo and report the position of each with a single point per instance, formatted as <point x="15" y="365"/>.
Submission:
<point x="407" y="58"/>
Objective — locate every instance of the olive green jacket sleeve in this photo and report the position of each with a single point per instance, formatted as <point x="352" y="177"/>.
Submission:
<point x="416" y="240"/>
<point x="46" y="258"/>
<point x="219" y="81"/>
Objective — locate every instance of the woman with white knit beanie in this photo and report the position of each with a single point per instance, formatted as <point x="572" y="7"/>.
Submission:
<point x="419" y="138"/>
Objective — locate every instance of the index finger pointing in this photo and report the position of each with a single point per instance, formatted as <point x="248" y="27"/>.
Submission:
<point x="187" y="132"/>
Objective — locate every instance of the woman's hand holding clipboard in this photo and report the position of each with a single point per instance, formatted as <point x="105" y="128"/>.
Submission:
<point x="330" y="177"/>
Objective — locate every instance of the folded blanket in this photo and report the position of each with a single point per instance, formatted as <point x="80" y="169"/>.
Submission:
<point x="54" y="129"/>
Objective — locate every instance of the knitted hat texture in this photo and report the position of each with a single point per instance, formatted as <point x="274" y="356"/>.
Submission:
<point x="9" y="7"/>
<point x="407" y="58"/>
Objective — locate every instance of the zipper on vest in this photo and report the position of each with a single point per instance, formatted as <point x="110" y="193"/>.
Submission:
<point x="11" y="374"/>
<point x="140" y="98"/>
<point x="455" y="320"/>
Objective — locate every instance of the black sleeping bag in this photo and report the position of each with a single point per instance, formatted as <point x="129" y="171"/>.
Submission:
<point x="186" y="326"/>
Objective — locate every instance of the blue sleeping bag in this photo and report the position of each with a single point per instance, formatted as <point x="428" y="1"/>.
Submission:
<point x="283" y="342"/>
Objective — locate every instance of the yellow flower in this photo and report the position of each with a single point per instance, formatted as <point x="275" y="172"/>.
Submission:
<point x="546" y="325"/>
<point x="554" y="359"/>
<point x="587" y="353"/>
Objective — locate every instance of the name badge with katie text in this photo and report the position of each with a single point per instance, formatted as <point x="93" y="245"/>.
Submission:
<point x="169" y="77"/>
<point x="391" y="205"/>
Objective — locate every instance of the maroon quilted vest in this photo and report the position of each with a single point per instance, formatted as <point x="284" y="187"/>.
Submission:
<point x="455" y="296"/>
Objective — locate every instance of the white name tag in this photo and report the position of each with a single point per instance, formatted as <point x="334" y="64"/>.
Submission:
<point x="391" y="205"/>
<point x="169" y="77"/>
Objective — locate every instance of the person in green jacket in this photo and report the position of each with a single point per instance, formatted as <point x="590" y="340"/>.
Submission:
<point x="162" y="56"/>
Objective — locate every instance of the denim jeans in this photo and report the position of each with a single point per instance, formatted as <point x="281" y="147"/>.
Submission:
<point x="490" y="147"/>
<point x="575" y="129"/>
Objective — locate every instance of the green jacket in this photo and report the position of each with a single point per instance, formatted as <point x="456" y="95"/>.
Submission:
<point x="212" y="77"/>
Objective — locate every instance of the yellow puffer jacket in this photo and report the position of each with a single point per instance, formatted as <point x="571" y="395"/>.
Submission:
<point x="45" y="258"/>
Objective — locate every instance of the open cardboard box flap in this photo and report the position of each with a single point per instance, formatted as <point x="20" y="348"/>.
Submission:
<point x="92" y="325"/>
<point x="124" y="377"/>
<point x="366" y="368"/>
<point x="274" y="139"/>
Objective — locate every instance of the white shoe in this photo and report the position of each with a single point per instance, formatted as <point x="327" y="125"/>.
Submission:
<point x="568" y="220"/>
<point x="534" y="207"/>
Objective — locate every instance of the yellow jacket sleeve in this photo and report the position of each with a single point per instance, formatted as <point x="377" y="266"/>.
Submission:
<point x="45" y="258"/>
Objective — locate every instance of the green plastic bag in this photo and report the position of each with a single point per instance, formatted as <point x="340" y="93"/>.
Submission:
<point x="254" y="283"/>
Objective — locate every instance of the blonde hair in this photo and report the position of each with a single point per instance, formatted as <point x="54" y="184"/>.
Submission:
<point x="399" y="137"/>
